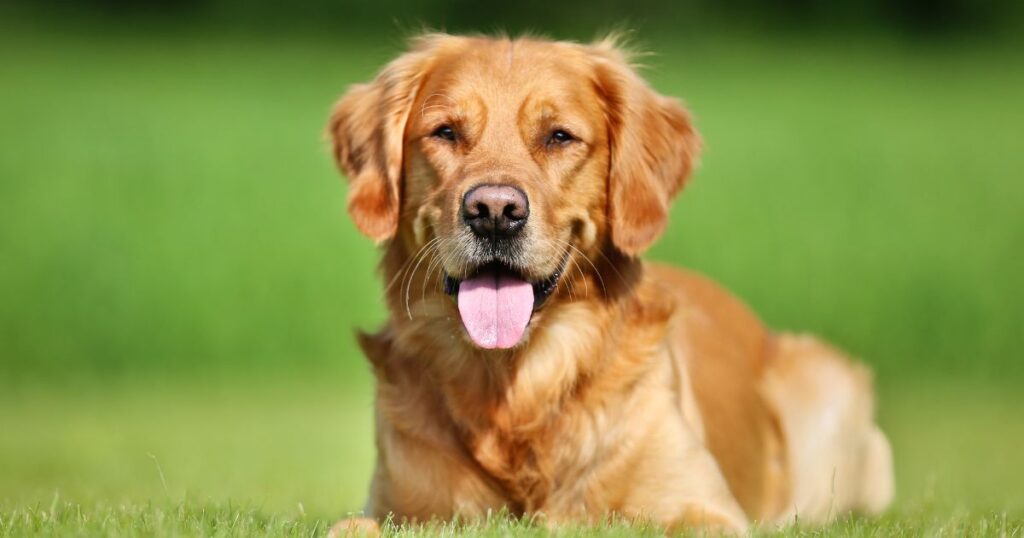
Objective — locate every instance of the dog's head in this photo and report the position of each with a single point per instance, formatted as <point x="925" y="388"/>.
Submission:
<point x="507" y="167"/>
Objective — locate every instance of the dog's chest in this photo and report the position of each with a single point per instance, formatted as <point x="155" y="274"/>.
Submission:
<point x="519" y="464"/>
<point x="534" y="463"/>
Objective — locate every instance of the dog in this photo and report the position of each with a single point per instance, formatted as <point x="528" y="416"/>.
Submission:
<point x="532" y="361"/>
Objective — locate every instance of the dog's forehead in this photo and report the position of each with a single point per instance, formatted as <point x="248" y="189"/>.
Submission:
<point x="509" y="70"/>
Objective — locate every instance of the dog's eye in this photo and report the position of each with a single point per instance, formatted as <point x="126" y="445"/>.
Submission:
<point x="444" y="132"/>
<point x="560" y="137"/>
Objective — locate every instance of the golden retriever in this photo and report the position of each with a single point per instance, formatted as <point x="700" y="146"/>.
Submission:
<point x="532" y="361"/>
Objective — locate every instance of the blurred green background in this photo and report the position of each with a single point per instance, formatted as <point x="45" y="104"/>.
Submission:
<point x="179" y="282"/>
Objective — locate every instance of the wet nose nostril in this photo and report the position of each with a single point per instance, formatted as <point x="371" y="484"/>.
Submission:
<point x="511" y="210"/>
<point x="482" y="211"/>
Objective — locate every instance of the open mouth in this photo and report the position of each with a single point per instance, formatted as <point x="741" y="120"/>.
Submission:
<point x="496" y="302"/>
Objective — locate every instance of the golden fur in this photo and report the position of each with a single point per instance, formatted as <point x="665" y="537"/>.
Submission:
<point x="638" y="390"/>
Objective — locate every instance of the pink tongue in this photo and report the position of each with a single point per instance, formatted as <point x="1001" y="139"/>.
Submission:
<point x="495" y="309"/>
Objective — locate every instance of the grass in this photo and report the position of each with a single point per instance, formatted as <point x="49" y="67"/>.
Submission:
<point x="178" y="280"/>
<point x="190" y="520"/>
<point x="283" y="459"/>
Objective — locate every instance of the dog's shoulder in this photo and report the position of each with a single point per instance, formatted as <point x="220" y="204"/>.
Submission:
<point x="724" y="348"/>
<point x="703" y="303"/>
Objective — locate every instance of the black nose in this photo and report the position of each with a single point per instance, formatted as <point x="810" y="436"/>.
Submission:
<point x="495" y="211"/>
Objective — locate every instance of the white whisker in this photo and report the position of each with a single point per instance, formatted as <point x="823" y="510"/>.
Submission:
<point x="408" y="280"/>
<point x="405" y="266"/>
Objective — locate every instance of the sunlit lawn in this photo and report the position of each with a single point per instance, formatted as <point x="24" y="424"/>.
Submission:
<point x="288" y="457"/>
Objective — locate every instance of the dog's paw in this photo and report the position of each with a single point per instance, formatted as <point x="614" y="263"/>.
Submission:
<point x="705" y="519"/>
<point x="354" y="526"/>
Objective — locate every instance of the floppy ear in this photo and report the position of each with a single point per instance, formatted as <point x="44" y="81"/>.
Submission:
<point x="367" y="128"/>
<point x="654" y="148"/>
